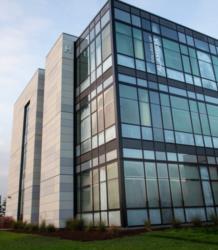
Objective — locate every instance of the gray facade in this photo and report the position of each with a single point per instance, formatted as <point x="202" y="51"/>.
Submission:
<point x="129" y="131"/>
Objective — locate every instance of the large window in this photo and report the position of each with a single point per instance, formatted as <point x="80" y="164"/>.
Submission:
<point x="124" y="39"/>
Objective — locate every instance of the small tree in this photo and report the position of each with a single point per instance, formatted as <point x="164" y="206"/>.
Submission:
<point x="2" y="206"/>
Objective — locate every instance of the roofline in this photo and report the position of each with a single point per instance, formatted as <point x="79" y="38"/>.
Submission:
<point x="168" y="20"/>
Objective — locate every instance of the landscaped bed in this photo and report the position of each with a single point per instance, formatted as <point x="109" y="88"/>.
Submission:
<point x="171" y="239"/>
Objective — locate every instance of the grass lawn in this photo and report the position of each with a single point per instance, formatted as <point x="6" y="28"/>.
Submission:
<point x="188" y="238"/>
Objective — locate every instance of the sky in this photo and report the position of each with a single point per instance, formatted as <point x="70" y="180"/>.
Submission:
<point x="29" y="28"/>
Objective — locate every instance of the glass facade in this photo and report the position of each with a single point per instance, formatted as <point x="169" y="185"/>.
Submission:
<point x="98" y="197"/>
<point x="21" y="193"/>
<point x="147" y="120"/>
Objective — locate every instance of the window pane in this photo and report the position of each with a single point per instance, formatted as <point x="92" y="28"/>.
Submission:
<point x="129" y="111"/>
<point x="182" y="121"/>
<point x="176" y="193"/>
<point x="173" y="59"/>
<point x="145" y="114"/>
<point x="106" y="42"/>
<point x="192" y="193"/>
<point x="135" y="193"/>
<point x="133" y="169"/>
<point x="113" y="194"/>
<point x="164" y="188"/>
<point x="124" y="44"/>
<point x="152" y="190"/>
<point x="122" y="15"/>
<point x="128" y="92"/>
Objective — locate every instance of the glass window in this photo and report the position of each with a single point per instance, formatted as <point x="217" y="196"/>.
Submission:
<point x="173" y="59"/>
<point x="179" y="103"/>
<point x="156" y="115"/>
<point x="128" y="92"/>
<point x="145" y="114"/>
<point x="152" y="192"/>
<point x="147" y="133"/>
<point x="98" y="50"/>
<point x="125" y="61"/>
<point x="150" y="170"/>
<point x="138" y="47"/>
<point x="122" y="15"/>
<point x="129" y="111"/>
<point x="106" y="42"/>
<point x="135" y="192"/>
<point x="189" y="172"/>
<point x="110" y="134"/>
<point x="113" y="194"/>
<point x="105" y="19"/>
<point x="137" y="217"/>
<point x="136" y="21"/>
<point x="132" y="153"/>
<point x="206" y="70"/>
<point x="162" y="170"/>
<point x="182" y="121"/>
<point x="127" y="79"/>
<point x="176" y="75"/>
<point x="167" y="119"/>
<point x="164" y="188"/>
<point x="86" y="199"/>
<point x="169" y="33"/>
<point x="103" y="196"/>
<point x="184" y="138"/>
<point x="201" y="44"/>
<point x="208" y="197"/>
<point x="143" y="95"/>
<point x="124" y="39"/>
<point x="85" y="129"/>
<point x="131" y="131"/>
<point x="133" y="169"/>
<point x="168" y="44"/>
<point x="192" y="193"/>
<point x="176" y="193"/>
<point x="182" y="38"/>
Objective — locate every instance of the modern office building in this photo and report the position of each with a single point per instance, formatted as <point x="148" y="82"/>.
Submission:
<point x="122" y="126"/>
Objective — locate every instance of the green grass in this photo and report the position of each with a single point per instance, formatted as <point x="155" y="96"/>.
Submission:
<point x="190" y="238"/>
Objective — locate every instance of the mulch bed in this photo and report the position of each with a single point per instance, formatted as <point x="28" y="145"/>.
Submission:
<point x="87" y="235"/>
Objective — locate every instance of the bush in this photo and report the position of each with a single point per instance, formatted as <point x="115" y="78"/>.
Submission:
<point x="50" y="228"/>
<point x="30" y="227"/>
<point x="114" y="230"/>
<point x="90" y="226"/>
<point x="196" y="221"/>
<point x="101" y="226"/>
<point x="19" y="225"/>
<point x="75" y="224"/>
<point x="214" y="219"/>
<point x="42" y="226"/>
<point x="176" y="223"/>
<point x="147" y="224"/>
<point x="6" y="222"/>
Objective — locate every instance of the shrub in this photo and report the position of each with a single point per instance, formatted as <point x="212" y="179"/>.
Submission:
<point x="50" y="228"/>
<point x="29" y="227"/>
<point x="101" y="226"/>
<point x="6" y="222"/>
<point x="90" y="226"/>
<point x="196" y="221"/>
<point x="42" y="226"/>
<point x="214" y="219"/>
<point x="114" y="230"/>
<point x="147" y="224"/>
<point x="19" y="225"/>
<point x="35" y="228"/>
<point x="176" y="223"/>
<point x="75" y="224"/>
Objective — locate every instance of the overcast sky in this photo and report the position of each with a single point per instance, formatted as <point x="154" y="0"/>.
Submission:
<point x="29" y="28"/>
